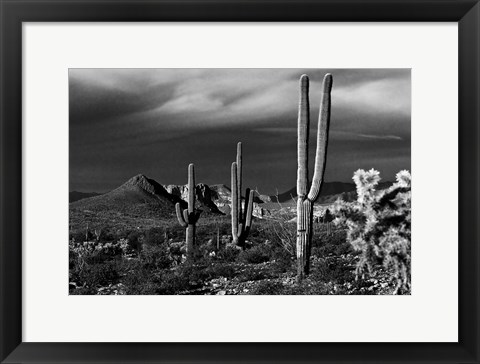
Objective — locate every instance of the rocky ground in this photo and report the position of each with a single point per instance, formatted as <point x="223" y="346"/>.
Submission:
<point x="257" y="279"/>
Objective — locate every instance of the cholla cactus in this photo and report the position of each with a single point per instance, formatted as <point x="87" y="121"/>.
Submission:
<point x="306" y="196"/>
<point x="379" y="225"/>
<point x="241" y="220"/>
<point x="190" y="216"/>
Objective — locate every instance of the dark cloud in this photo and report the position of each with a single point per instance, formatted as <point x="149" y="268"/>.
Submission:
<point x="156" y="121"/>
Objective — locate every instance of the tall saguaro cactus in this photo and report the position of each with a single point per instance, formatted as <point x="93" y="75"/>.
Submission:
<point x="306" y="196"/>
<point x="241" y="221"/>
<point x="190" y="216"/>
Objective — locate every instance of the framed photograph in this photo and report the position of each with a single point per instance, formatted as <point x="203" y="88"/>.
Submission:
<point x="315" y="164"/>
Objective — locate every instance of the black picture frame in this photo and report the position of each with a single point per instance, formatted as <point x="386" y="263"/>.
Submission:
<point x="14" y="12"/>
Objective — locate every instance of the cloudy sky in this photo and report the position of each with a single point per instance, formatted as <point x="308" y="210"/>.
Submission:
<point x="156" y="121"/>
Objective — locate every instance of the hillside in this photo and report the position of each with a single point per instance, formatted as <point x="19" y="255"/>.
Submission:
<point x="139" y="196"/>
<point x="142" y="202"/>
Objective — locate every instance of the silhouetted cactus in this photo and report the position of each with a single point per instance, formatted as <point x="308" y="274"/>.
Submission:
<point x="307" y="198"/>
<point x="190" y="216"/>
<point x="241" y="220"/>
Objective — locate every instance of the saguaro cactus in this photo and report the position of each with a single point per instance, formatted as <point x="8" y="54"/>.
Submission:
<point x="241" y="220"/>
<point x="306" y="196"/>
<point x="190" y="216"/>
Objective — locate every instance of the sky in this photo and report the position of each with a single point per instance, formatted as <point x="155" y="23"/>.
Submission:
<point x="124" y="122"/>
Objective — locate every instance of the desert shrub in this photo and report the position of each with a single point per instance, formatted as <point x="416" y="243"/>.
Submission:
<point x="321" y="238"/>
<point x="177" y="252"/>
<point x="208" y="230"/>
<point x="204" y="261"/>
<point x="228" y="254"/>
<point x="205" y="251"/>
<point x="283" y="261"/>
<point x="135" y="239"/>
<point x="155" y="257"/>
<point x="137" y="279"/>
<point x="171" y="283"/>
<point x="283" y="234"/>
<point x="193" y="273"/>
<point x="102" y="274"/>
<point x="253" y="275"/>
<point x="343" y="249"/>
<point x="310" y="287"/>
<point x="220" y="270"/>
<point x="92" y="252"/>
<point x="257" y="234"/>
<point x="155" y="236"/>
<point x="106" y="235"/>
<point x="78" y="236"/>
<point x="332" y="269"/>
<point x="173" y="231"/>
<point x="379" y="225"/>
<point x="258" y="254"/>
<point x="97" y="258"/>
<point x="198" y="273"/>
<point x="93" y="276"/>
<point x="335" y="244"/>
<point x="268" y="288"/>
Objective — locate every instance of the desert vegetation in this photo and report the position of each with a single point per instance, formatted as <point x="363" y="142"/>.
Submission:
<point x="379" y="225"/>
<point x="145" y="238"/>
<point x="154" y="261"/>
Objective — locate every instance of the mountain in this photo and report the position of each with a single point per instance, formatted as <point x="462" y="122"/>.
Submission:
<point x="329" y="193"/>
<point x="139" y="196"/>
<point x="143" y="197"/>
<point x="75" y="195"/>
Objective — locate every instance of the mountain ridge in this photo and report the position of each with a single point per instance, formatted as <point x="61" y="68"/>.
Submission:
<point x="139" y="195"/>
<point x="143" y="195"/>
<point x="328" y="189"/>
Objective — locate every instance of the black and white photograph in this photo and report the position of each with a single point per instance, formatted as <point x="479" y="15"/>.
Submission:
<point x="239" y="181"/>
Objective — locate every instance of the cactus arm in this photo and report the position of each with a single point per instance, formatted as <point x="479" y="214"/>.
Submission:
<point x="234" y="193"/>
<point x="303" y="131"/>
<point x="186" y="216"/>
<point x="249" y="211"/>
<point x="322" y="139"/>
<point x="180" y="218"/>
<point x="245" y="205"/>
<point x="241" y="215"/>
<point x="191" y="188"/>
<point x="239" y="180"/>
